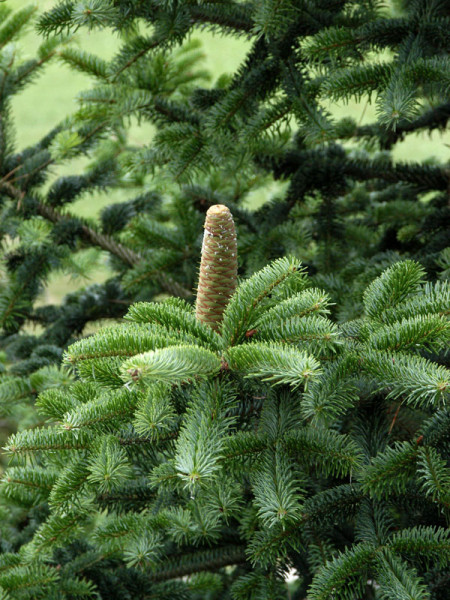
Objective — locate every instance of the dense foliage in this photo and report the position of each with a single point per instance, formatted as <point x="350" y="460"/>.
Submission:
<point x="271" y="119"/>
<point x="343" y="207"/>
<point x="280" y="441"/>
<point x="188" y="456"/>
<point x="42" y="238"/>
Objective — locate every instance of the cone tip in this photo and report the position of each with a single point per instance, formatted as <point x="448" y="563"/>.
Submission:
<point x="217" y="209"/>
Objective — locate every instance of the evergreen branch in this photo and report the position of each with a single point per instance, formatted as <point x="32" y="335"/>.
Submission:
<point x="14" y="24"/>
<point x="28" y="487"/>
<point x="176" y="318"/>
<point x="356" y="81"/>
<point x="423" y="176"/>
<point x="399" y="101"/>
<point x="155" y="417"/>
<point x="321" y="511"/>
<point x="127" y="497"/>
<point x="310" y="302"/>
<point x="243" y="445"/>
<point x="12" y="391"/>
<point x="328" y="43"/>
<point x="56" y="20"/>
<point x="71" y="481"/>
<point x="203" y="198"/>
<point x="280" y="364"/>
<point x="103" y="414"/>
<point x="314" y="332"/>
<point x="391" y="470"/>
<point x="332" y="393"/>
<point x="149" y="45"/>
<point x="435" y="476"/>
<point x="237" y="18"/>
<point x="124" y="340"/>
<point x="43" y="440"/>
<point x="247" y="304"/>
<point x="31" y="168"/>
<point x="428" y="332"/>
<point x="269" y="121"/>
<point x="434" y="118"/>
<point x="392" y="288"/>
<point x="427" y="542"/>
<point x="157" y="234"/>
<point x="202" y="436"/>
<point x="107" y="468"/>
<point x="277" y="491"/>
<point x="28" y="580"/>
<point x="57" y="531"/>
<point x="15" y="303"/>
<point x="328" y="452"/>
<point x="139" y="440"/>
<point x="432" y="299"/>
<point x="171" y="365"/>
<point x="335" y="505"/>
<point x="54" y="403"/>
<point x="269" y="545"/>
<point x="436" y="429"/>
<point x="9" y="560"/>
<point x="177" y="566"/>
<point x="345" y="574"/>
<point x="103" y="371"/>
<point x="397" y="579"/>
<point x="94" y="237"/>
<point x="85" y="62"/>
<point x="108" y="535"/>
<point x="416" y="379"/>
<point x="27" y="72"/>
<point x="101" y="240"/>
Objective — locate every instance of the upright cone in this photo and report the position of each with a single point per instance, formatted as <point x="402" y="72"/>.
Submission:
<point x="218" y="267"/>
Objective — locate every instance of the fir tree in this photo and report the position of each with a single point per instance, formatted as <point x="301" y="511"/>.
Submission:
<point x="343" y="450"/>
<point x="347" y="214"/>
<point x="343" y="186"/>
<point x="189" y="462"/>
<point x="42" y="237"/>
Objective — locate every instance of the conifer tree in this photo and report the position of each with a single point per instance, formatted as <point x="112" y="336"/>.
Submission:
<point x="372" y="398"/>
<point x="42" y="237"/>
<point x="346" y="207"/>
<point x="189" y="462"/>
<point x="347" y="214"/>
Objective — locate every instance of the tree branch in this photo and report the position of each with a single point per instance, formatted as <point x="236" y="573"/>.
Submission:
<point x="96" y="238"/>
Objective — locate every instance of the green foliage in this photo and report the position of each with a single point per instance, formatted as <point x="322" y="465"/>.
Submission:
<point x="226" y="453"/>
<point x="170" y="365"/>
<point x="41" y="238"/>
<point x="273" y="362"/>
<point x="267" y="121"/>
<point x="311" y="431"/>
<point x="256" y="293"/>
<point x="392" y="288"/>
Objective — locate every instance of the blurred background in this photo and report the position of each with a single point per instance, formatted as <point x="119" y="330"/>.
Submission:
<point x="36" y="112"/>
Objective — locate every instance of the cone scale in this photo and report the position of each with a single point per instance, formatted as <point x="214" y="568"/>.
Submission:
<point x="218" y="267"/>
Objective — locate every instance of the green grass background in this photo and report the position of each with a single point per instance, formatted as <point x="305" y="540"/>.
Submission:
<point x="51" y="97"/>
<point x="46" y="101"/>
